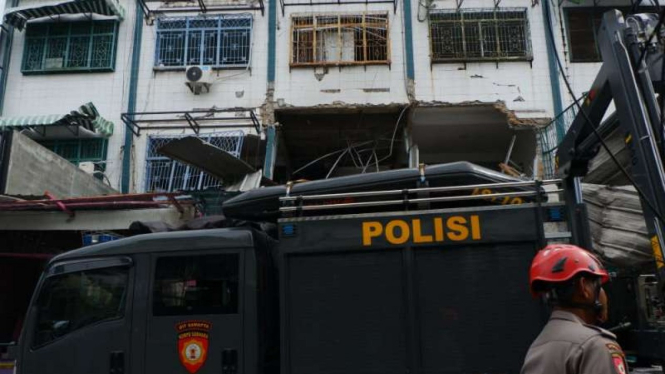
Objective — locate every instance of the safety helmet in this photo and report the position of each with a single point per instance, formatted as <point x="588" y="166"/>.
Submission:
<point x="558" y="263"/>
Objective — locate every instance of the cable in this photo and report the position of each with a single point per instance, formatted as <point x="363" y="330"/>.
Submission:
<point x="589" y="122"/>
<point x="392" y="141"/>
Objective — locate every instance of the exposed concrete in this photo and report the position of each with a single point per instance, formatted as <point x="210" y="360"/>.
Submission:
<point x="92" y="220"/>
<point x="33" y="169"/>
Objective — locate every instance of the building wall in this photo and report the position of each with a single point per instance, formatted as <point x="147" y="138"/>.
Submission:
<point x="64" y="92"/>
<point x="372" y="85"/>
<point x="165" y="90"/>
<point x="523" y="86"/>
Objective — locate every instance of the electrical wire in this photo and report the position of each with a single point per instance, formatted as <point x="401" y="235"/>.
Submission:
<point x="590" y="123"/>
<point x="392" y="141"/>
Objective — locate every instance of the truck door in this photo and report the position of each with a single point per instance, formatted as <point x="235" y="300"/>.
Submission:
<point x="80" y="321"/>
<point x="194" y="321"/>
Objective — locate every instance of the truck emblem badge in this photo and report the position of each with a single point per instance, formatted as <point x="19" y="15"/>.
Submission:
<point x="193" y="343"/>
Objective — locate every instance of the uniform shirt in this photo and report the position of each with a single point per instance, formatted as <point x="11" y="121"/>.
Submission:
<point x="569" y="346"/>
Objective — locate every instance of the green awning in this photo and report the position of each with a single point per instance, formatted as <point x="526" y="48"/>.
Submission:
<point x="86" y="117"/>
<point x="19" y="16"/>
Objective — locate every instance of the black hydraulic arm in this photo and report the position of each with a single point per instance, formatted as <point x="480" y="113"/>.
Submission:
<point x="627" y="78"/>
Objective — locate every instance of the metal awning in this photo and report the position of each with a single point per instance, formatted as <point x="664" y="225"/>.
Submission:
<point x="86" y="117"/>
<point x="19" y="16"/>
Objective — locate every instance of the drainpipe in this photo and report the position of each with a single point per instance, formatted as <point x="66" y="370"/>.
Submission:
<point x="272" y="32"/>
<point x="408" y="47"/>
<point x="555" y="84"/>
<point x="131" y="102"/>
<point x="6" y="57"/>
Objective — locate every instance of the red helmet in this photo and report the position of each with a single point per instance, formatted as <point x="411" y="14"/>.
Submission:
<point x="561" y="262"/>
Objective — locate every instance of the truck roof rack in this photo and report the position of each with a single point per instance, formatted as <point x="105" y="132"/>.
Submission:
<point x="487" y="194"/>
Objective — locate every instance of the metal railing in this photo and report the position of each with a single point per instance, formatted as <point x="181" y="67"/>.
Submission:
<point x="551" y="135"/>
<point x="478" y="192"/>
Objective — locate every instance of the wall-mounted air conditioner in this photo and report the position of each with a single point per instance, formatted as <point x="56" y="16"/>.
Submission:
<point x="199" y="78"/>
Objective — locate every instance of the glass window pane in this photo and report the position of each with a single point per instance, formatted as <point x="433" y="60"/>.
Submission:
<point x="77" y="56"/>
<point x="187" y="285"/>
<point x="582" y="36"/>
<point x="478" y="35"/>
<point x="171" y="48"/>
<point x="194" y="46"/>
<point x="235" y="47"/>
<point x="72" y="301"/>
<point x="102" y="51"/>
<point x="33" y="54"/>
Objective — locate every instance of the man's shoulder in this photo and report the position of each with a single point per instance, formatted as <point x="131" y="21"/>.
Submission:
<point x="573" y="332"/>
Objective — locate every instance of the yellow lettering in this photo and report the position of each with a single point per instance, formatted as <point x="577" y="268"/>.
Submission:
<point x="456" y="229"/>
<point x="516" y="200"/>
<point x="475" y="227"/>
<point x="404" y="232"/>
<point x="418" y="236"/>
<point x="438" y="229"/>
<point x="371" y="230"/>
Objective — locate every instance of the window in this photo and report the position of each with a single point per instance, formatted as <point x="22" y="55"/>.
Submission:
<point x="70" y="46"/>
<point x="77" y="151"/>
<point x="583" y="25"/>
<point x="479" y="35"/>
<point x="206" y="284"/>
<point x="165" y="175"/>
<point x="221" y="41"/>
<point x="72" y="301"/>
<point x="340" y="40"/>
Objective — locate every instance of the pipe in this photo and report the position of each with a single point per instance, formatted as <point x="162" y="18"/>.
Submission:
<point x="408" y="40"/>
<point x="272" y="37"/>
<point x="131" y="101"/>
<point x="553" y="69"/>
<point x="5" y="60"/>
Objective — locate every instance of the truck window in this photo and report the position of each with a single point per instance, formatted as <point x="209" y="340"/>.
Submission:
<point x="205" y="284"/>
<point x="72" y="301"/>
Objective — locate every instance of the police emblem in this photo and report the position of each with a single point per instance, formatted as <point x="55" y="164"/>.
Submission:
<point x="193" y="343"/>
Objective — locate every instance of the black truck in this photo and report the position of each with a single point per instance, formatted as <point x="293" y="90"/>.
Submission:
<point x="419" y="288"/>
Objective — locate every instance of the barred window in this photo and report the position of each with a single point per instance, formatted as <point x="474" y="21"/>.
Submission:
<point x="219" y="41"/>
<point x="70" y="46"/>
<point x="165" y="175"/>
<point x="340" y="40"/>
<point x="480" y="35"/>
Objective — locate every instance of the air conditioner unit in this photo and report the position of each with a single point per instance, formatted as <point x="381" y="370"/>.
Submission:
<point x="88" y="167"/>
<point x="199" y="78"/>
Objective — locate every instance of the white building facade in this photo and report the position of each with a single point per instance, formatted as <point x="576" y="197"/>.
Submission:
<point x="295" y="89"/>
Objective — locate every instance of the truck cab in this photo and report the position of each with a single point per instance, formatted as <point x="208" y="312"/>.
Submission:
<point x="159" y="303"/>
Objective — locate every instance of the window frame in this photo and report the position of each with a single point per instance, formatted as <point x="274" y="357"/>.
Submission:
<point x="218" y="30"/>
<point x="365" y="48"/>
<point x="204" y="179"/>
<point x="61" y="269"/>
<point x="49" y="36"/>
<point x="240" y="255"/>
<point x="461" y="23"/>
<point x="593" y="9"/>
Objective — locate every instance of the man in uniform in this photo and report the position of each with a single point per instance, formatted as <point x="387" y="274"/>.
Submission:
<point x="571" y="279"/>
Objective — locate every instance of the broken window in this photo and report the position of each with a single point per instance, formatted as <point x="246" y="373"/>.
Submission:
<point x="165" y="175"/>
<point x="218" y="41"/>
<point x="478" y="35"/>
<point x="340" y="40"/>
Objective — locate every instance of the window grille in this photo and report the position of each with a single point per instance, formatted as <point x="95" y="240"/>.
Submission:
<point x="70" y="46"/>
<point x="77" y="151"/>
<point x="480" y="35"/>
<point x="340" y="40"/>
<point x="219" y="41"/>
<point x="165" y="175"/>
